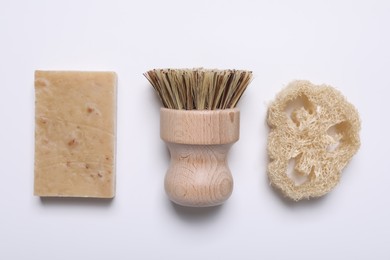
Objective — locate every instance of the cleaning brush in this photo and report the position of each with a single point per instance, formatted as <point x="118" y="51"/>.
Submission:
<point x="199" y="123"/>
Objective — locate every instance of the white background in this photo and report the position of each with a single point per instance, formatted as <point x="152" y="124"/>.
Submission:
<point x="342" y="43"/>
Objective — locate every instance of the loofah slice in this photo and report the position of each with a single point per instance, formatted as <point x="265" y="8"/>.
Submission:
<point x="314" y="134"/>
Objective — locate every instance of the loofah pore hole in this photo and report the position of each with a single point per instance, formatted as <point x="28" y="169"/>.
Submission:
<point x="299" y="109"/>
<point x="338" y="135"/>
<point x="295" y="175"/>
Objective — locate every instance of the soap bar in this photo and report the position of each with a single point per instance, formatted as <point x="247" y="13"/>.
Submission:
<point x="75" y="121"/>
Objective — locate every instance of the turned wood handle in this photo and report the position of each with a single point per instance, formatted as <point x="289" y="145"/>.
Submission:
<point x="199" y="142"/>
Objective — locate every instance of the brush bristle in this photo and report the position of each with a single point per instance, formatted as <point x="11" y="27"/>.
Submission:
<point x="199" y="89"/>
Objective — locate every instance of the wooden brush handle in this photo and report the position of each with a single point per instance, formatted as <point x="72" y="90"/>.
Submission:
<point x="198" y="141"/>
<point x="198" y="175"/>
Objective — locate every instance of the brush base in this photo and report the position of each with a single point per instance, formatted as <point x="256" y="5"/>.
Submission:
<point x="198" y="175"/>
<point x="199" y="141"/>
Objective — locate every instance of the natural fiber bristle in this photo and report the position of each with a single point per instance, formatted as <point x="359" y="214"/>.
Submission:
<point x="199" y="89"/>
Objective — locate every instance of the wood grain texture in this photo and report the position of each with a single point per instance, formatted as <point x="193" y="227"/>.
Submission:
<point x="200" y="126"/>
<point x="199" y="141"/>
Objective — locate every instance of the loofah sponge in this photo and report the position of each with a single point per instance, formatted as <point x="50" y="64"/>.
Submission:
<point x="314" y="134"/>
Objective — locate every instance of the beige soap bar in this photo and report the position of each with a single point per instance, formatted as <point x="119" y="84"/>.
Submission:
<point x="75" y="119"/>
